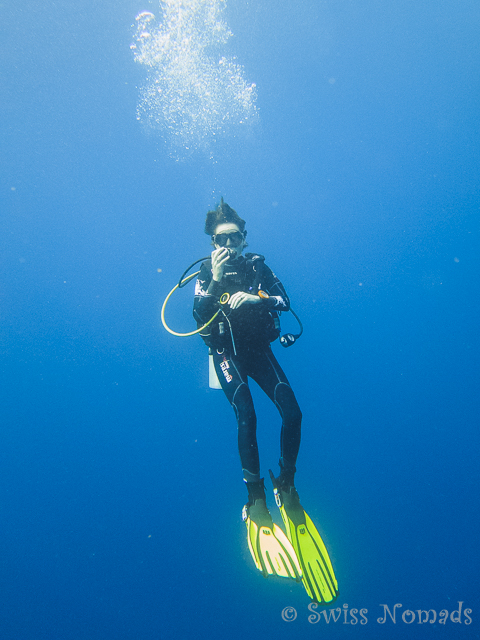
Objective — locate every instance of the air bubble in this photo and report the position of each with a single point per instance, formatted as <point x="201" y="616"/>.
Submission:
<point x="192" y="93"/>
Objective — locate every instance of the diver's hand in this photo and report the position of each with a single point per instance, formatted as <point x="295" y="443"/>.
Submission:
<point x="241" y="297"/>
<point x="219" y="260"/>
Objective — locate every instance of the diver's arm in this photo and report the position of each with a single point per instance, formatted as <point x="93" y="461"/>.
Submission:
<point x="206" y="295"/>
<point x="278" y="299"/>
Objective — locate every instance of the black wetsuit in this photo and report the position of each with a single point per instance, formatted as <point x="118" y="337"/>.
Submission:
<point x="240" y="344"/>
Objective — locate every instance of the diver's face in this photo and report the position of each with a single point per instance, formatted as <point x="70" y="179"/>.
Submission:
<point x="229" y="236"/>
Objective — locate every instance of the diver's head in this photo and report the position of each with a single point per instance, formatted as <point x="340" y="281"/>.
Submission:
<point x="227" y="229"/>
<point x="228" y="235"/>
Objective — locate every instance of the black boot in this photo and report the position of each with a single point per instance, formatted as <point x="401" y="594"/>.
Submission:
<point x="256" y="491"/>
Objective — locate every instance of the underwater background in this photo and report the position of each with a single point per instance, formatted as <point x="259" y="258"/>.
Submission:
<point x="358" y="175"/>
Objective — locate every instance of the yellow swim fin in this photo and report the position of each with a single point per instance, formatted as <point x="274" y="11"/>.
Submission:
<point x="271" y="551"/>
<point x="318" y="576"/>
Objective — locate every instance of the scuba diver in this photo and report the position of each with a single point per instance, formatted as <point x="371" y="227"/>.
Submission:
<point x="247" y="297"/>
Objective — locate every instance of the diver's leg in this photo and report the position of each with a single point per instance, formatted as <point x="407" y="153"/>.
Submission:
<point x="234" y="382"/>
<point x="271" y="378"/>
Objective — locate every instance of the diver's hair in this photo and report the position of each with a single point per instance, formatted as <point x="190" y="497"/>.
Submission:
<point x="223" y="213"/>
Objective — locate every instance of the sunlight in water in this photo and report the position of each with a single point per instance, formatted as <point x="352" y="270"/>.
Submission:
<point x="193" y="95"/>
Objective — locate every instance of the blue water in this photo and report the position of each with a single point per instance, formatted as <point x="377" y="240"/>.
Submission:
<point x="121" y="484"/>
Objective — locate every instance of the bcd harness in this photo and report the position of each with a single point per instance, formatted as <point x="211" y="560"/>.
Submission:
<point x="256" y="262"/>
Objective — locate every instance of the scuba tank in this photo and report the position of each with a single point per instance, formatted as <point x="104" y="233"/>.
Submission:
<point x="213" y="381"/>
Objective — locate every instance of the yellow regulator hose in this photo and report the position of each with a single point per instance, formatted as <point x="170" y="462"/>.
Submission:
<point x="191" y="333"/>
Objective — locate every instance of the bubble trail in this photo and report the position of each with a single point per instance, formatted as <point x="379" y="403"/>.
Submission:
<point x="192" y="94"/>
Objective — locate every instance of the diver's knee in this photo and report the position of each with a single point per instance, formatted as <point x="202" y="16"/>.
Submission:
<point x="287" y="402"/>
<point x="244" y="409"/>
